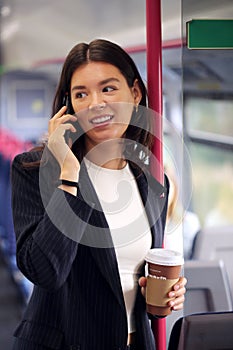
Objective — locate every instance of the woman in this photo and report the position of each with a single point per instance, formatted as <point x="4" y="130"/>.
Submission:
<point x="86" y="210"/>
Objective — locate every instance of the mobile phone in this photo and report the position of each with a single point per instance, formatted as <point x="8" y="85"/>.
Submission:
<point x="67" y="103"/>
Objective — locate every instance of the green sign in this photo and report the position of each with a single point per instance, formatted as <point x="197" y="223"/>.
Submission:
<point x="210" y="34"/>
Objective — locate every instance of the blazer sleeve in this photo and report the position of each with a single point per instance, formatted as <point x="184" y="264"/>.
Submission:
<point x="48" y="234"/>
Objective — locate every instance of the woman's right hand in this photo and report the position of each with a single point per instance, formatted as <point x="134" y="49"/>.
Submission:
<point x="58" y="125"/>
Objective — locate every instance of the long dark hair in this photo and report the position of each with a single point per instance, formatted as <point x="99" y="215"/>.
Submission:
<point x="99" y="50"/>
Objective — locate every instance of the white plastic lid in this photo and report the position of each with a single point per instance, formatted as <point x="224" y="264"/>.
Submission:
<point x="165" y="257"/>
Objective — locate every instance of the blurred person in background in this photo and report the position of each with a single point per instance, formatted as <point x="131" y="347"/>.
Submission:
<point x="182" y="226"/>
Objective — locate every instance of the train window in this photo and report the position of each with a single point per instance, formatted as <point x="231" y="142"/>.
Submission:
<point x="209" y="115"/>
<point x="213" y="184"/>
<point x="208" y="134"/>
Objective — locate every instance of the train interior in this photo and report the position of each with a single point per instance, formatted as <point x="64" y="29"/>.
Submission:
<point x="197" y="129"/>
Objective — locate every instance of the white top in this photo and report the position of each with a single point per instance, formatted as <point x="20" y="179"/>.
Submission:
<point x="124" y="211"/>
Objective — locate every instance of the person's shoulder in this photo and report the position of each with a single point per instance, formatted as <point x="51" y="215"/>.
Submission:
<point x="29" y="158"/>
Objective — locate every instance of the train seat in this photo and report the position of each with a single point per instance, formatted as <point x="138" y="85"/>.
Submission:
<point x="208" y="290"/>
<point x="216" y="243"/>
<point x="205" y="331"/>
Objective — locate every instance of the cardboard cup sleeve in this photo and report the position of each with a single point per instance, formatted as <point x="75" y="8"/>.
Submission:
<point x="157" y="290"/>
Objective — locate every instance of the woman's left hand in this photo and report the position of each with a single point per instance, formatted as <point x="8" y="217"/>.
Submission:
<point x="177" y="293"/>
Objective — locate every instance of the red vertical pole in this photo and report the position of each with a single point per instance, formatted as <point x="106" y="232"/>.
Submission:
<point x="154" y="77"/>
<point x="155" y="99"/>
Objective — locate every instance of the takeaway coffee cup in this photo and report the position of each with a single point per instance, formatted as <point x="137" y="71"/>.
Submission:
<point x="163" y="271"/>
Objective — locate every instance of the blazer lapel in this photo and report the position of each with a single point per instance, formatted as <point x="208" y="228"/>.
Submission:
<point x="154" y="198"/>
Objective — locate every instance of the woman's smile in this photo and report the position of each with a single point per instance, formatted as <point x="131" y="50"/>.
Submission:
<point x="101" y="120"/>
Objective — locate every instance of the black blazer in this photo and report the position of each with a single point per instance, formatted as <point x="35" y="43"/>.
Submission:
<point x="64" y="247"/>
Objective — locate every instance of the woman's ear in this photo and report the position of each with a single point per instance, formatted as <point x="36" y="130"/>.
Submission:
<point x="137" y="94"/>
